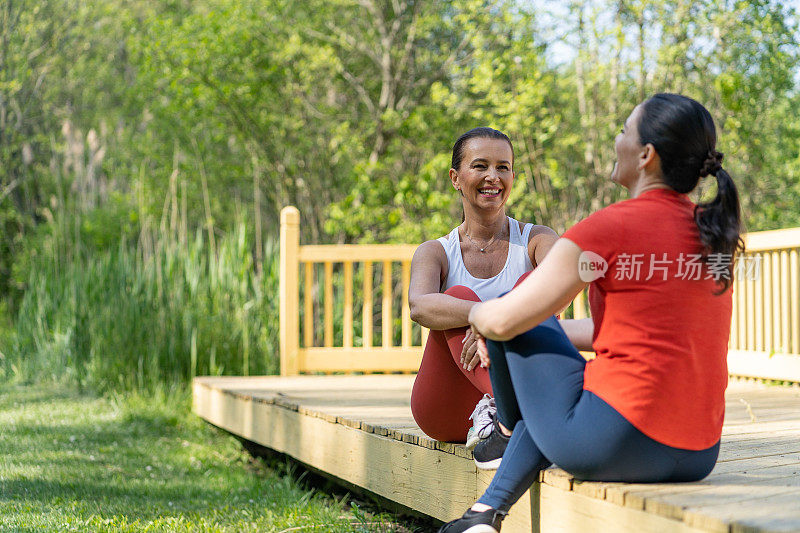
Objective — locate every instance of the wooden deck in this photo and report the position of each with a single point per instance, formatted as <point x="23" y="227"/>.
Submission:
<point x="360" y="429"/>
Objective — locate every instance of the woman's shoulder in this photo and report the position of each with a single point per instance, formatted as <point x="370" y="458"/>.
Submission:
<point x="612" y="213"/>
<point x="431" y="251"/>
<point x="437" y="250"/>
<point x="626" y="205"/>
<point x="605" y="226"/>
<point x="537" y="231"/>
<point x="430" y="258"/>
<point x="538" y="238"/>
<point x="432" y="246"/>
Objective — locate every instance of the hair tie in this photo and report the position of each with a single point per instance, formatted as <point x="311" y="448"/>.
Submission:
<point x="712" y="163"/>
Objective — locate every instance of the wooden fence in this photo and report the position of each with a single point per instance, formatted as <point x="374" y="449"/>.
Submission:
<point x="765" y="327"/>
<point x="339" y="333"/>
<point x="346" y="352"/>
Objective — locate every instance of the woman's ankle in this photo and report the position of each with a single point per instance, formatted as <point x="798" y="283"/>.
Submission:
<point x="504" y="430"/>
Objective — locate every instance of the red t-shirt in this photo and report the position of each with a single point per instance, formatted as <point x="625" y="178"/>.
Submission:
<point x="661" y="343"/>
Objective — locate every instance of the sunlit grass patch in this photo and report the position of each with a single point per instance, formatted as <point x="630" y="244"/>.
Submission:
<point x="76" y="462"/>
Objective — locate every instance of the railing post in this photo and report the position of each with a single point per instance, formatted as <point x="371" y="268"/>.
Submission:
<point x="579" y="306"/>
<point x="289" y="291"/>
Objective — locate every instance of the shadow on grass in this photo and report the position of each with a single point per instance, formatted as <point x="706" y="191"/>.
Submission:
<point x="135" y="464"/>
<point x="44" y="490"/>
<point x="60" y="438"/>
<point x="362" y="501"/>
<point x="18" y="395"/>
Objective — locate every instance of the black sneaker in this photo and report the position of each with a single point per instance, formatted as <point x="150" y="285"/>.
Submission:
<point x="474" y="522"/>
<point x="489" y="452"/>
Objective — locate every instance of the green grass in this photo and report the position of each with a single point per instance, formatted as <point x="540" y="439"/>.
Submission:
<point x="126" y="463"/>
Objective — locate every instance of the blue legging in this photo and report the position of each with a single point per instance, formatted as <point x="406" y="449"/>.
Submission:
<point x="537" y="379"/>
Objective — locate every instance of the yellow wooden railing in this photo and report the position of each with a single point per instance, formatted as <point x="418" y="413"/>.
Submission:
<point x="765" y="334"/>
<point x="343" y="353"/>
<point x="765" y="327"/>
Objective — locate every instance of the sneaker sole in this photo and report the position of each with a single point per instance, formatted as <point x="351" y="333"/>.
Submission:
<point x="481" y="528"/>
<point x="472" y="442"/>
<point x="494" y="464"/>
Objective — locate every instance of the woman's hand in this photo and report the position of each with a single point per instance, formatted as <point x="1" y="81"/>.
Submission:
<point x="482" y="350"/>
<point x="469" y="355"/>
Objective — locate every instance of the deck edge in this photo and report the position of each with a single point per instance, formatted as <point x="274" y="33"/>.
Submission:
<point x="609" y="494"/>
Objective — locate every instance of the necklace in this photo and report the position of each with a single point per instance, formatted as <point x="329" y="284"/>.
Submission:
<point x="485" y="246"/>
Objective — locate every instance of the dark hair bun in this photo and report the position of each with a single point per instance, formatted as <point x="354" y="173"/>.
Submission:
<point x="712" y="164"/>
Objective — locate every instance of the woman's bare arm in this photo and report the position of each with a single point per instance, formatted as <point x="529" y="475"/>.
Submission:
<point x="549" y="288"/>
<point x="579" y="332"/>
<point x="541" y="241"/>
<point x="428" y="306"/>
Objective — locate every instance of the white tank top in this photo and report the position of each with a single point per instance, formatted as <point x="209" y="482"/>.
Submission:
<point x="517" y="263"/>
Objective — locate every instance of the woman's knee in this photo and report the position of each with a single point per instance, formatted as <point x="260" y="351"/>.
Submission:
<point x="437" y="423"/>
<point x="547" y="337"/>
<point x="462" y="293"/>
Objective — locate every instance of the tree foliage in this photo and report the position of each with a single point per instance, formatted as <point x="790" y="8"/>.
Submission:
<point x="124" y="119"/>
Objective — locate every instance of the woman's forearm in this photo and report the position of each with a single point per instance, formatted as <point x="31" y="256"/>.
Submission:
<point x="497" y="320"/>
<point x="549" y="288"/>
<point x="440" y="311"/>
<point x="579" y="332"/>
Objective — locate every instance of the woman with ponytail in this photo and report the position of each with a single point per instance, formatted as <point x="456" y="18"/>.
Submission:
<point x="650" y="406"/>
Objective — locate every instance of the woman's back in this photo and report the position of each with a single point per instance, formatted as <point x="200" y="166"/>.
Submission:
<point x="661" y="328"/>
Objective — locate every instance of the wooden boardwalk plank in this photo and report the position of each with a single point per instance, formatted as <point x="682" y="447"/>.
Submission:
<point x="754" y="487"/>
<point x="431" y="484"/>
<point x="777" y="514"/>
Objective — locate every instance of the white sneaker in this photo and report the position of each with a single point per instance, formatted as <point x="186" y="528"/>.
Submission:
<point x="481" y="421"/>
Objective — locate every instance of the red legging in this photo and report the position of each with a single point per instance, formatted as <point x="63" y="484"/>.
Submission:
<point x="445" y="393"/>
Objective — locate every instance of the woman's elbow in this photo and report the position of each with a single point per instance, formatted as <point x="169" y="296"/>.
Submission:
<point x="415" y="311"/>
<point x="502" y="333"/>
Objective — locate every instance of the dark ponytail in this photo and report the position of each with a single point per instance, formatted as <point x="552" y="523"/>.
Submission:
<point x="719" y="219"/>
<point x="683" y="134"/>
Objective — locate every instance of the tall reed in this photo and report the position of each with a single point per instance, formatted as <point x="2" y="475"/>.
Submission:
<point x="129" y="319"/>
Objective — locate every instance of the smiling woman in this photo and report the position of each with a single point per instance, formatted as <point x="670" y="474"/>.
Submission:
<point x="478" y="260"/>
